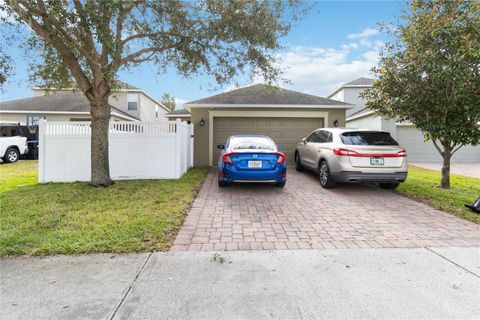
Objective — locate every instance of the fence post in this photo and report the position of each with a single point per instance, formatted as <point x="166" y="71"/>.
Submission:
<point x="41" y="150"/>
<point x="178" y="147"/>
<point x="191" y="137"/>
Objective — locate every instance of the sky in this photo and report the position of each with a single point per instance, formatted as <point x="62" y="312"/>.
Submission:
<point x="338" y="41"/>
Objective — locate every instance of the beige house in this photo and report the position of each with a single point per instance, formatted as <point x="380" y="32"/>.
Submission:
<point x="127" y="104"/>
<point x="284" y="115"/>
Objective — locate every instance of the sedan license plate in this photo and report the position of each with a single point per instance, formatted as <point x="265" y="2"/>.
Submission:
<point x="377" y="161"/>
<point x="255" y="164"/>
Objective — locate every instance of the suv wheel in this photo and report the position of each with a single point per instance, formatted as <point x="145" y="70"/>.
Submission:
<point x="298" y="163"/>
<point x="324" y="176"/>
<point x="12" y="155"/>
<point x="222" y="184"/>
<point x="389" y="186"/>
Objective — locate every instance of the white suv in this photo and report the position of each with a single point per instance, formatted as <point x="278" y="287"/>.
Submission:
<point x="352" y="155"/>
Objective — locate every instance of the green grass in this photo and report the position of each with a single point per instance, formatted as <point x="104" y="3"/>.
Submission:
<point x="13" y="175"/>
<point x="130" y="216"/>
<point x="423" y="185"/>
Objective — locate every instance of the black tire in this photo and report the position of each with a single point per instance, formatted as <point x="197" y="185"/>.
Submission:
<point x="281" y="184"/>
<point x="11" y="155"/>
<point x="298" y="163"/>
<point x="222" y="184"/>
<point x="389" y="186"/>
<point x="326" y="180"/>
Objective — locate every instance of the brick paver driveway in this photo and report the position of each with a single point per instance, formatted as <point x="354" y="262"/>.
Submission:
<point x="303" y="215"/>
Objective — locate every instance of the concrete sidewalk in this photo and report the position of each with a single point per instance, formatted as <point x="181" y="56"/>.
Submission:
<point x="416" y="283"/>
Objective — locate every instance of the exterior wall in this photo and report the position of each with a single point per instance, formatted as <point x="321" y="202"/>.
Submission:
<point x="147" y="110"/>
<point x="22" y="117"/>
<point x="202" y="149"/>
<point x="368" y="122"/>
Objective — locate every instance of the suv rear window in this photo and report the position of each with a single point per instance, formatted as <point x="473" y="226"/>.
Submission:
<point x="255" y="143"/>
<point x="368" y="138"/>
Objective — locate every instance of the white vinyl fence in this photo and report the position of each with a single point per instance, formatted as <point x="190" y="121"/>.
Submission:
<point x="137" y="150"/>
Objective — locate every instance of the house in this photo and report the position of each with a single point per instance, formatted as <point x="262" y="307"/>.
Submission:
<point x="286" y="116"/>
<point x="182" y="114"/>
<point x="405" y="133"/>
<point x="128" y="103"/>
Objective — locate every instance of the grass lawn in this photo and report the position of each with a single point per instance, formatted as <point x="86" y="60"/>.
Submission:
<point x="422" y="185"/>
<point x="70" y="218"/>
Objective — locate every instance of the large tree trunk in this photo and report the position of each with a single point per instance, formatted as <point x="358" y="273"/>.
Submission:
<point x="447" y="155"/>
<point x="100" y="168"/>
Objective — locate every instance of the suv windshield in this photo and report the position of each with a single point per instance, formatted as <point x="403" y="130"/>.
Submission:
<point x="368" y="138"/>
<point x="256" y="143"/>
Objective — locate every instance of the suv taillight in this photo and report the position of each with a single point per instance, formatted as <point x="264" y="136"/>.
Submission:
<point x="402" y="153"/>
<point x="344" y="152"/>
<point x="226" y="158"/>
<point x="281" y="157"/>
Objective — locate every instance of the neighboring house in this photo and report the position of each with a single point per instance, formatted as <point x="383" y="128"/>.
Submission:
<point x="284" y="115"/>
<point x="128" y="104"/>
<point x="405" y="133"/>
<point x="182" y="114"/>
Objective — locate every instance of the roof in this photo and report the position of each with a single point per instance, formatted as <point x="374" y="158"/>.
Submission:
<point x="128" y="86"/>
<point x="60" y="102"/>
<point x="261" y="94"/>
<point x="360" y="82"/>
<point x="179" y="112"/>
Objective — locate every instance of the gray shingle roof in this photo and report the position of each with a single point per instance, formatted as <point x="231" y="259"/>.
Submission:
<point x="179" y="112"/>
<point x="61" y="101"/>
<point x="360" y="82"/>
<point x="260" y="94"/>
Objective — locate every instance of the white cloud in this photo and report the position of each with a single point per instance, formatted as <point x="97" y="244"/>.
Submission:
<point x="366" y="33"/>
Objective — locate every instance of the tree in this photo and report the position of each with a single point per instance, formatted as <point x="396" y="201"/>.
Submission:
<point x="430" y="75"/>
<point x="168" y="101"/>
<point x="84" y="43"/>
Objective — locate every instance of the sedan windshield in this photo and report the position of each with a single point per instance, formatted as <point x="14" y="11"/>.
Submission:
<point x="368" y="138"/>
<point x="252" y="143"/>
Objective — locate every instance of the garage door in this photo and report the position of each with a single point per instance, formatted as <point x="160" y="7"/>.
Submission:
<point x="419" y="151"/>
<point x="286" y="132"/>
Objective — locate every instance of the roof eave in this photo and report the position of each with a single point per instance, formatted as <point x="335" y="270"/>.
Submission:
<point x="189" y="106"/>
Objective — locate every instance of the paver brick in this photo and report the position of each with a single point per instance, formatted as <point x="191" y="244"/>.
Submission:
<point x="304" y="215"/>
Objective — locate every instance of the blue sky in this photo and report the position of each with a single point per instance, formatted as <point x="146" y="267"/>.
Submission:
<point x="337" y="42"/>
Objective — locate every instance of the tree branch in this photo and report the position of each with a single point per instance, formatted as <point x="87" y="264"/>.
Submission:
<point x="437" y="147"/>
<point x="67" y="55"/>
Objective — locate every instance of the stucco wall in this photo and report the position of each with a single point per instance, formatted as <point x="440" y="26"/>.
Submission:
<point x="201" y="150"/>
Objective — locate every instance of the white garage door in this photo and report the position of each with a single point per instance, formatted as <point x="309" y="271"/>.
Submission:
<point x="419" y="151"/>
<point x="286" y="132"/>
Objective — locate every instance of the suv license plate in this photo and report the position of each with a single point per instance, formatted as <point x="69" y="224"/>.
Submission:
<point x="254" y="164"/>
<point x="376" y="161"/>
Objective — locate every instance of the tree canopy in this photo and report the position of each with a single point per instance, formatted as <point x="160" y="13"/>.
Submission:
<point x="431" y="75"/>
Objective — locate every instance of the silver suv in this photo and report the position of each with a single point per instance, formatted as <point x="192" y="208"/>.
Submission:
<point x="352" y="155"/>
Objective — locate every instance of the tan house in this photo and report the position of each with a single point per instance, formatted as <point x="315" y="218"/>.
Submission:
<point x="284" y="115"/>
<point x="128" y="103"/>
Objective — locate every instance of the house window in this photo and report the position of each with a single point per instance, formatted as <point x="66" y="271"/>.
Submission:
<point x="32" y="120"/>
<point x="132" y="99"/>
<point x="156" y="112"/>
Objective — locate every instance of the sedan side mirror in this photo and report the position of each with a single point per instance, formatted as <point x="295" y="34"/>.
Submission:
<point x="220" y="146"/>
<point x="304" y="140"/>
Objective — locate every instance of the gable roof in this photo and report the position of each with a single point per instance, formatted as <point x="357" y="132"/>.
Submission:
<point x="265" y="96"/>
<point x="360" y="82"/>
<point x="179" y="112"/>
<point x="68" y="102"/>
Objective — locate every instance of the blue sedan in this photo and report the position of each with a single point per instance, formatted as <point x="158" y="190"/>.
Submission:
<point x="251" y="159"/>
